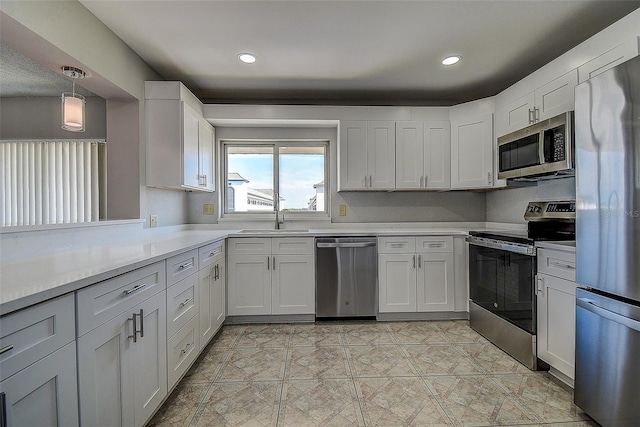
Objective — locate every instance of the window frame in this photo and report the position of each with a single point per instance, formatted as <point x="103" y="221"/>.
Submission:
<point x="276" y="144"/>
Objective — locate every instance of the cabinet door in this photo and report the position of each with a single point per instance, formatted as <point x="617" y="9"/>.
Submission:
<point x="353" y="155"/>
<point x="410" y="156"/>
<point x="516" y="115"/>
<point x="435" y="284"/>
<point x="123" y="382"/>
<point x="397" y="283"/>
<point x="190" y="155"/>
<point x="556" y="322"/>
<point x="472" y="152"/>
<point x="150" y="359"/>
<point x="206" y="144"/>
<point x="249" y="284"/>
<point x="609" y="59"/>
<point x="212" y="300"/>
<point x="293" y="284"/>
<point x="381" y="155"/>
<point x="437" y="155"/>
<point x="556" y="97"/>
<point x="45" y="393"/>
<point x="105" y="377"/>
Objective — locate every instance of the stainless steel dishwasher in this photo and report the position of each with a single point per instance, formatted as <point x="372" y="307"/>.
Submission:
<point x="346" y="277"/>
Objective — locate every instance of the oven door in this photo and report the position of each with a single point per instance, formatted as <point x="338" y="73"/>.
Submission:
<point x="502" y="282"/>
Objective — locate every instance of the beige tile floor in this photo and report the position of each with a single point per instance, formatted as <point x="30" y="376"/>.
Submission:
<point x="363" y="374"/>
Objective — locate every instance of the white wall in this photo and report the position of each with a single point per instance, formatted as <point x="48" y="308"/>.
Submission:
<point x="39" y="118"/>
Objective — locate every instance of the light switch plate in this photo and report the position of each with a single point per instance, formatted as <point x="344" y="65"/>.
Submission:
<point x="153" y="220"/>
<point x="342" y="210"/>
<point x="207" y="209"/>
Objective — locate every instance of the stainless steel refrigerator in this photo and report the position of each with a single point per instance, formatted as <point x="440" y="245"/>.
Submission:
<point x="607" y="130"/>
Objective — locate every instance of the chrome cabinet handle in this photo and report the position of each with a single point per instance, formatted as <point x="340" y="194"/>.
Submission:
<point x="541" y="285"/>
<point x="135" y="289"/>
<point x="216" y="272"/>
<point x="536" y="114"/>
<point x="489" y="178"/>
<point x="6" y="349"/>
<point x="414" y="261"/>
<point x="531" y="118"/>
<point x="185" y="265"/>
<point x="421" y="180"/>
<point x="186" y="348"/>
<point x="185" y="302"/>
<point x="268" y="261"/>
<point x="365" y="181"/>
<point x="3" y="409"/>
<point x="425" y="180"/>
<point x="419" y="261"/>
<point x="135" y="326"/>
<point x="274" y="263"/>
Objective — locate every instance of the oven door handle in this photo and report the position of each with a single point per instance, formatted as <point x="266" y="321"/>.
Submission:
<point x="503" y="246"/>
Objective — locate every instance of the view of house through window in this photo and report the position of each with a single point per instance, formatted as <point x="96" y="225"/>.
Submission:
<point x="281" y="176"/>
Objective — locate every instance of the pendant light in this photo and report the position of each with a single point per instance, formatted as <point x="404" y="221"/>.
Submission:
<point x="72" y="103"/>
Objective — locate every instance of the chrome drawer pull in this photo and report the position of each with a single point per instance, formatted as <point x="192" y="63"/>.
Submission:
<point x="436" y="245"/>
<point x="6" y="349"/>
<point x="185" y="302"/>
<point x="135" y="289"/>
<point x="561" y="265"/>
<point x="186" y="265"/>
<point x="396" y="245"/>
<point x="184" y="350"/>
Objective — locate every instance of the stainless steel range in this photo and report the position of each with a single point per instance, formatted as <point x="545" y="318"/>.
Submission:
<point x="502" y="269"/>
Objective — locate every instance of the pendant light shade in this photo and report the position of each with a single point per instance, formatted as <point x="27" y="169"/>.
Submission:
<point x="73" y="112"/>
<point x="72" y="103"/>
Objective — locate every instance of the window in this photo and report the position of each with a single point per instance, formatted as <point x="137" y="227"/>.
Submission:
<point x="49" y="182"/>
<point x="264" y="177"/>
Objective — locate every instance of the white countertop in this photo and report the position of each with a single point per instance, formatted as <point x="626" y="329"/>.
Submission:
<point x="35" y="279"/>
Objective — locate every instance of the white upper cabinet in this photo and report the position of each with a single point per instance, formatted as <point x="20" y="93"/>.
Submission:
<point x="423" y="155"/>
<point x="180" y="142"/>
<point x="549" y="100"/>
<point x="367" y="155"/>
<point x="472" y="152"/>
<point x="609" y="59"/>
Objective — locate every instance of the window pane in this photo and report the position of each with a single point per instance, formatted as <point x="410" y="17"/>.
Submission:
<point x="301" y="178"/>
<point x="249" y="179"/>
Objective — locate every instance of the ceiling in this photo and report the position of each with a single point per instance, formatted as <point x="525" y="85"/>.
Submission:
<point x="22" y="76"/>
<point x="344" y="52"/>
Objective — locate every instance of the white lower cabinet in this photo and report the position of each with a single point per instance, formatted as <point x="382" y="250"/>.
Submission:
<point x="212" y="290"/>
<point x="38" y="379"/>
<point x="556" y="289"/>
<point x="271" y="276"/>
<point x="416" y="274"/>
<point x="45" y="393"/>
<point x="122" y="366"/>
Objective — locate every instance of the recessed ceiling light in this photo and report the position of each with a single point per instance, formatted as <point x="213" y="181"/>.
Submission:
<point x="247" y="58"/>
<point x="450" y="60"/>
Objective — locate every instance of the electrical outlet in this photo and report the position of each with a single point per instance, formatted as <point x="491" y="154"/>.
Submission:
<point x="207" y="209"/>
<point x="153" y="220"/>
<point x="342" y="210"/>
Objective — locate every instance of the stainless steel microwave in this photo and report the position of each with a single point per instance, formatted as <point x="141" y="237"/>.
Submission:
<point x="540" y="150"/>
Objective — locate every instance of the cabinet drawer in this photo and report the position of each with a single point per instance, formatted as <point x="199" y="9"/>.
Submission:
<point x="182" y="350"/>
<point x="28" y="335"/>
<point x="181" y="266"/>
<point x="396" y="245"/>
<point x="182" y="303"/>
<point x="434" y="244"/>
<point x="103" y="301"/>
<point x="292" y="246"/>
<point x="557" y="263"/>
<point x="250" y="245"/>
<point x="210" y="253"/>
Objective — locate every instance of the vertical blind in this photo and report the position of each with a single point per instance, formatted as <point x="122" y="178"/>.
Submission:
<point x="49" y="182"/>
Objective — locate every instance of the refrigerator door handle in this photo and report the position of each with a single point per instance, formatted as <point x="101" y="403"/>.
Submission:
<point x="588" y="305"/>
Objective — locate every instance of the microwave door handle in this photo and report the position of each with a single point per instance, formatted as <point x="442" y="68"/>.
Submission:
<point x="541" y="148"/>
